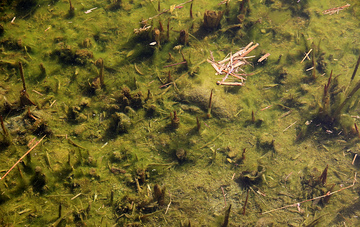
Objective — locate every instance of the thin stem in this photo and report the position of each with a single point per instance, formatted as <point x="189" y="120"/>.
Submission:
<point x="319" y="197"/>
<point x="356" y="68"/>
<point x="348" y="97"/>
<point x="22" y="75"/>
<point x="22" y="158"/>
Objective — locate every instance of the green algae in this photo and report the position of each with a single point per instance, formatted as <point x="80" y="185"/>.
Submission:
<point x="111" y="150"/>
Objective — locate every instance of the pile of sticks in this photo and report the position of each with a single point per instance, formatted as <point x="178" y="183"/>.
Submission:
<point x="231" y="65"/>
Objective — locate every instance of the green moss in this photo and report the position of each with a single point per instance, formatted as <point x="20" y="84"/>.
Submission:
<point x="108" y="146"/>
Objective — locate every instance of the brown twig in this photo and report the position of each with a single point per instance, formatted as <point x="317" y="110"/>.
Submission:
<point x="22" y="158"/>
<point x="308" y="200"/>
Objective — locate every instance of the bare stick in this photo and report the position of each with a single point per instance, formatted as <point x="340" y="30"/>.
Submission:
<point x="306" y="56"/>
<point x="289" y="126"/>
<point x="168" y="206"/>
<point x="230" y="83"/>
<point x="354" y="159"/>
<point x="264" y="57"/>
<point x="319" y="197"/>
<point x="249" y="50"/>
<point x="22" y="158"/>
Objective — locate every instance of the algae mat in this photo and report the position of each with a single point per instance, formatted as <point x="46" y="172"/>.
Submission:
<point x="137" y="132"/>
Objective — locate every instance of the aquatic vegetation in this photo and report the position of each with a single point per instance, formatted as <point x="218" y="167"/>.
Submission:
<point x="138" y="132"/>
<point x="332" y="104"/>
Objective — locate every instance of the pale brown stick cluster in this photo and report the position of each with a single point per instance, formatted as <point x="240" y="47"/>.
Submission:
<point x="232" y="64"/>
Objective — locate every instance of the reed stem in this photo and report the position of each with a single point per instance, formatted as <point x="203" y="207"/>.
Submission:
<point x="22" y="75"/>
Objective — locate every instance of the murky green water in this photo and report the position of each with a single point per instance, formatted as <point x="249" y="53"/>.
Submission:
<point x="114" y="154"/>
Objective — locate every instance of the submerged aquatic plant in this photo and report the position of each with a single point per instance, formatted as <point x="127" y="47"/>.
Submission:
<point x="329" y="113"/>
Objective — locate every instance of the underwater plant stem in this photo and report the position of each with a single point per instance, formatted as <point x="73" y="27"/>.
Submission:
<point x="246" y="200"/>
<point x="60" y="208"/>
<point x="356" y="68"/>
<point x="22" y="158"/>
<point x="22" y="75"/>
<point x="226" y="217"/>
<point x="348" y="97"/>
<point x="313" y="62"/>
<point x="191" y="12"/>
<point x="3" y="126"/>
<point x="168" y="31"/>
<point x="102" y="74"/>
<point x="210" y="104"/>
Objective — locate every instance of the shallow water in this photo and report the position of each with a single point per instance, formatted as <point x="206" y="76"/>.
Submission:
<point x="113" y="152"/>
